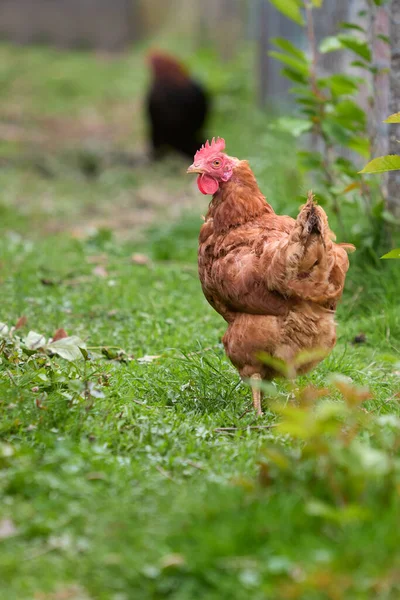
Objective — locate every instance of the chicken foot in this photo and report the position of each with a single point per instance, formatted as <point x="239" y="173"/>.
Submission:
<point x="256" y="393"/>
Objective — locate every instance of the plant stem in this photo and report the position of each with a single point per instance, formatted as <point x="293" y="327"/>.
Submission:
<point x="312" y="45"/>
<point x="319" y="134"/>
<point x="373" y="120"/>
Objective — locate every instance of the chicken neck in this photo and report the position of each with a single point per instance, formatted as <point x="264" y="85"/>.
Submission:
<point x="238" y="200"/>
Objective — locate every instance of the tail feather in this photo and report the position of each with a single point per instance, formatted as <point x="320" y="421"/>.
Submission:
<point x="312" y="223"/>
<point x="312" y="266"/>
<point x="350" y="248"/>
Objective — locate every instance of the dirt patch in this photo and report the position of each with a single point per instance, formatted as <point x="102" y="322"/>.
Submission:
<point x="83" y="155"/>
<point x="131" y="214"/>
<point x="114" y="125"/>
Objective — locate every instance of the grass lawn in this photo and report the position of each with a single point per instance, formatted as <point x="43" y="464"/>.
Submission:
<point x="136" y="473"/>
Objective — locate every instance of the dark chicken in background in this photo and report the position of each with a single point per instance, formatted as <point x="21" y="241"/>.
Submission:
<point x="177" y="107"/>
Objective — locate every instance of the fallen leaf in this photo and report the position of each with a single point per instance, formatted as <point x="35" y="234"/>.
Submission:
<point x="95" y="475"/>
<point x="7" y="529"/>
<point x="5" y="449"/>
<point x="310" y="394"/>
<point x="353" y="395"/>
<point x="34" y="340"/>
<point x="148" y="358"/>
<point x="22" y="321"/>
<point x="40" y="405"/>
<point x="140" y="259"/>
<point x="47" y="281"/>
<point x="264" y="475"/>
<point x="172" y="560"/>
<point x="100" y="271"/>
<point x="97" y="259"/>
<point x="77" y="280"/>
<point x="68" y="347"/>
<point x="3" y="329"/>
<point x="352" y="186"/>
<point x="59" y="335"/>
<point x="73" y="592"/>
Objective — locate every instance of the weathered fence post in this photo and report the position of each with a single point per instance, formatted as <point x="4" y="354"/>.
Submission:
<point x="262" y="54"/>
<point x="394" y="106"/>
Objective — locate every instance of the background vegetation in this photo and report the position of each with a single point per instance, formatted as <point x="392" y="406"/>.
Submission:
<point x="130" y="465"/>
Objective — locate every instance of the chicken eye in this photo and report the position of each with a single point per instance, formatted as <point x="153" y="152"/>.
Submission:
<point x="216" y="163"/>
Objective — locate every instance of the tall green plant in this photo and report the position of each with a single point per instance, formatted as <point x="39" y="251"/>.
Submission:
<point x="383" y="164"/>
<point x="329" y="111"/>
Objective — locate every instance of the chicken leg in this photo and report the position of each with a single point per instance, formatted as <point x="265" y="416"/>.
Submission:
<point x="256" y="392"/>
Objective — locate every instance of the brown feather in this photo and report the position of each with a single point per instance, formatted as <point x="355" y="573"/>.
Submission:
<point x="275" y="280"/>
<point x="167" y="68"/>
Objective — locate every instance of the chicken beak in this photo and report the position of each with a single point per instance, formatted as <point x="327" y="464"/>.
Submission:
<point x="194" y="169"/>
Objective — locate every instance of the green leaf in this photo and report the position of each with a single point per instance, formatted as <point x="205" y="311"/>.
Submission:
<point x="291" y="61"/>
<point x="307" y="102"/>
<point x="304" y="92"/>
<point x="277" y="364"/>
<point x="382" y="164"/>
<point x="294" y="76"/>
<point x="347" y="514"/>
<point x="6" y="450"/>
<point x="395" y="118"/>
<point x="290" y="48"/>
<point x="346" y="25"/>
<point x="392" y="254"/>
<point x="355" y="45"/>
<point x="350" y="115"/>
<point x="388" y="217"/>
<point x="360" y="145"/>
<point x="389" y="420"/>
<point x="309" y="160"/>
<point x="68" y="348"/>
<point x="345" y="40"/>
<point x="294" y="125"/>
<point x="383" y="38"/>
<point x="378" y="209"/>
<point x="277" y="457"/>
<point x="336" y="132"/>
<point x="360" y="65"/>
<point x="341" y="84"/>
<point x="308" y="356"/>
<point x="330" y="44"/>
<point x="290" y="8"/>
<point x="317" y="3"/>
<point x="372" y="461"/>
<point x="345" y="167"/>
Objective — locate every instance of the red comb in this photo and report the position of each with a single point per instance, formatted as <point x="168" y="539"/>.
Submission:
<point x="217" y="145"/>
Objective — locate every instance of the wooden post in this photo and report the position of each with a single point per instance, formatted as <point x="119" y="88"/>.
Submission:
<point x="262" y="55"/>
<point x="393" y="199"/>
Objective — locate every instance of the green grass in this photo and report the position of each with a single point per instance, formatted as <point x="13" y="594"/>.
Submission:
<point x="115" y="474"/>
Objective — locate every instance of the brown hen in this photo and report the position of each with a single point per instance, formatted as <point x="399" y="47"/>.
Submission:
<point x="274" y="279"/>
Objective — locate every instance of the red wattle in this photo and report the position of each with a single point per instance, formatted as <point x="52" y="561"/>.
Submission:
<point x="207" y="185"/>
